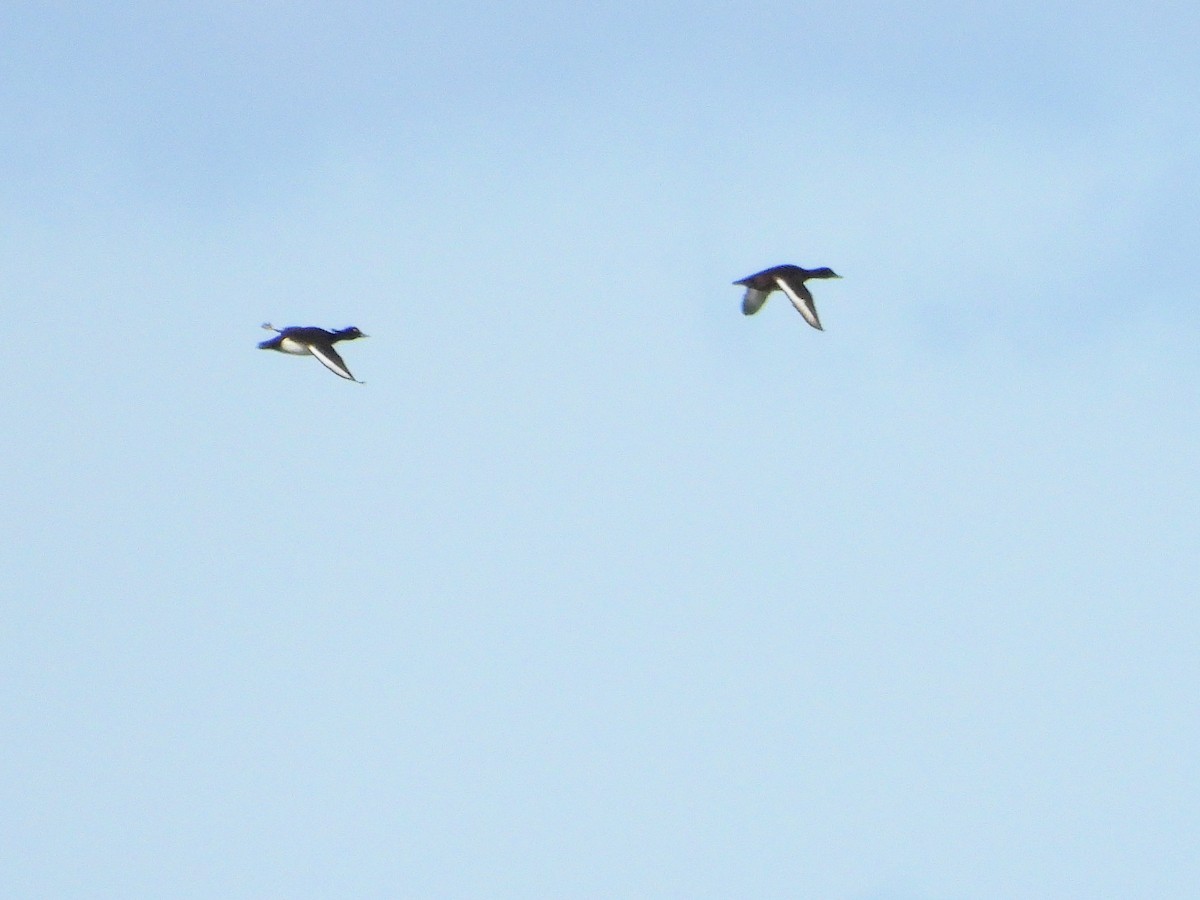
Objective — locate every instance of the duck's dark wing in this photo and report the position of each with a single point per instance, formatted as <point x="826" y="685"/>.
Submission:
<point x="754" y="300"/>
<point x="799" y="294"/>
<point x="331" y="360"/>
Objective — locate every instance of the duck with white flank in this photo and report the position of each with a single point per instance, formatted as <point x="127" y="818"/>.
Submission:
<point x="313" y="342"/>
<point x="790" y="280"/>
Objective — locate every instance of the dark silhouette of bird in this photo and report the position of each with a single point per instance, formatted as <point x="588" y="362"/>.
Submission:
<point x="313" y="342"/>
<point x="789" y="279"/>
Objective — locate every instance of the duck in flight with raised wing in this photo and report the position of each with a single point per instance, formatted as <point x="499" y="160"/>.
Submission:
<point x="313" y="342"/>
<point x="789" y="279"/>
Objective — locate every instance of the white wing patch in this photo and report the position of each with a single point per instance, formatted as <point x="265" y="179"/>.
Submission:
<point x="329" y="359"/>
<point x="802" y="300"/>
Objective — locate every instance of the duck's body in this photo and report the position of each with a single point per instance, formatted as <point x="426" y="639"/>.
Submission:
<point x="304" y="341"/>
<point x="789" y="279"/>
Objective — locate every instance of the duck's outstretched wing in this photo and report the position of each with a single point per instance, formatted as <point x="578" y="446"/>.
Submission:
<point x="754" y="300"/>
<point x="331" y="360"/>
<point x="799" y="294"/>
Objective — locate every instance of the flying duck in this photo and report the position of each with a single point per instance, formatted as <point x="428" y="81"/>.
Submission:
<point x="315" y="342"/>
<point x="790" y="280"/>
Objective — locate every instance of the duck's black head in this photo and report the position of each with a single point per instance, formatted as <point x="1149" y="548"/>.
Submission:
<point x="348" y="334"/>
<point x="823" y="272"/>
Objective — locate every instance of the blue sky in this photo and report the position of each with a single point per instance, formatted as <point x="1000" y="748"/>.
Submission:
<point x="596" y="587"/>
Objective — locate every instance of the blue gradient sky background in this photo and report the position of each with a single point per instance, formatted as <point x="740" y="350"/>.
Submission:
<point x="597" y="588"/>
